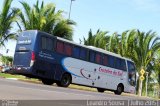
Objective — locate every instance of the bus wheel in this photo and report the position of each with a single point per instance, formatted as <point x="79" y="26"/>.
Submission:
<point x="100" y="90"/>
<point x="47" y="81"/>
<point x="65" y="80"/>
<point x="119" y="89"/>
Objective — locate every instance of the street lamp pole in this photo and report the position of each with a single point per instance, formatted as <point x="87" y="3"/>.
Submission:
<point x="70" y="9"/>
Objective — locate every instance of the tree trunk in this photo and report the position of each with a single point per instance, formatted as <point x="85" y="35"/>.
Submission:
<point x="140" y="88"/>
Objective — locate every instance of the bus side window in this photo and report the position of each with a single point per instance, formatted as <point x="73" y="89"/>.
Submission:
<point x="92" y="56"/>
<point x="117" y="63"/>
<point x="111" y="62"/>
<point x="120" y="64"/>
<point x="83" y="54"/>
<point x="131" y="67"/>
<point x="50" y="45"/>
<point x="47" y="44"/>
<point x="59" y="47"/>
<point x="43" y="43"/>
<point x="98" y="58"/>
<point x="68" y="49"/>
<point x="76" y="51"/>
<point x="105" y="60"/>
<point x="123" y="65"/>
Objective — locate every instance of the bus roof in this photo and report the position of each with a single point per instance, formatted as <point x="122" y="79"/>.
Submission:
<point x="94" y="48"/>
<point x="87" y="47"/>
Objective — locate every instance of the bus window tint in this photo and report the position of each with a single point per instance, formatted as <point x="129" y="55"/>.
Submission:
<point x="59" y="47"/>
<point x="92" y="56"/>
<point x="68" y="49"/>
<point x="123" y="65"/>
<point x="47" y="43"/>
<point x="131" y="67"/>
<point x="43" y="42"/>
<point x="120" y="64"/>
<point x="76" y="51"/>
<point x="117" y="63"/>
<point x="98" y="58"/>
<point x="105" y="60"/>
<point x="83" y="54"/>
<point x="111" y="61"/>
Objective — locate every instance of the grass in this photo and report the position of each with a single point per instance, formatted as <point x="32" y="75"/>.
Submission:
<point x="33" y="80"/>
<point x="19" y="77"/>
<point x="4" y="75"/>
<point x="23" y="78"/>
<point x="82" y="88"/>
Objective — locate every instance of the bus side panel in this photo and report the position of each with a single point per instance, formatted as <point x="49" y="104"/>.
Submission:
<point x="44" y="63"/>
<point x="58" y="72"/>
<point x="90" y="74"/>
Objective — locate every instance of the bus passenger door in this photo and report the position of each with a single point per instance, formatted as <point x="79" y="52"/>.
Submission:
<point x="131" y="77"/>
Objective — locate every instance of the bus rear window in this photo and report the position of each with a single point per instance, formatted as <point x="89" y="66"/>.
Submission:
<point x="24" y="42"/>
<point x="26" y="38"/>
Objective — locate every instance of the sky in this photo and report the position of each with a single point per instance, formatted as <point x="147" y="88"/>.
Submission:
<point x="106" y="15"/>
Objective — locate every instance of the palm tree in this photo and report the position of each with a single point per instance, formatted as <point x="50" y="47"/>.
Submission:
<point x="112" y="44"/>
<point x="145" y="47"/>
<point x="121" y="44"/>
<point x="139" y="46"/>
<point x="127" y="43"/>
<point x="98" y="40"/>
<point x="7" y="17"/>
<point x="157" y="66"/>
<point x="64" y="29"/>
<point x="45" y="18"/>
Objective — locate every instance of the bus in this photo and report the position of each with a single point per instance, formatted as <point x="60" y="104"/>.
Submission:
<point x="56" y="60"/>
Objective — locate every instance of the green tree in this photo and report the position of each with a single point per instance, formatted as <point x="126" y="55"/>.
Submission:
<point x="112" y="44"/>
<point x="7" y="60"/>
<point x="122" y="44"/>
<point x="45" y="18"/>
<point x="97" y="40"/>
<point x="145" y="47"/>
<point x="157" y="66"/>
<point x="139" y="46"/>
<point x="7" y="17"/>
<point x="154" y="75"/>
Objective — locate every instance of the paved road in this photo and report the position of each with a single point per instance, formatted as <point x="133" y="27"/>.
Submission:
<point x="18" y="90"/>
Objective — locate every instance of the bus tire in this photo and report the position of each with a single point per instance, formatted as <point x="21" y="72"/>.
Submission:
<point x="100" y="90"/>
<point x="119" y="90"/>
<point x="65" y="80"/>
<point x="47" y="81"/>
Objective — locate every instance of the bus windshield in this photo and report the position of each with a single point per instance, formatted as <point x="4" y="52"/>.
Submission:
<point x="131" y="73"/>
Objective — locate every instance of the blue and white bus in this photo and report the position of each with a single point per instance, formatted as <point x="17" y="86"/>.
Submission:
<point x="57" y="60"/>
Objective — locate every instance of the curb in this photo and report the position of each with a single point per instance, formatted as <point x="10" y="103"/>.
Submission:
<point x="12" y="78"/>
